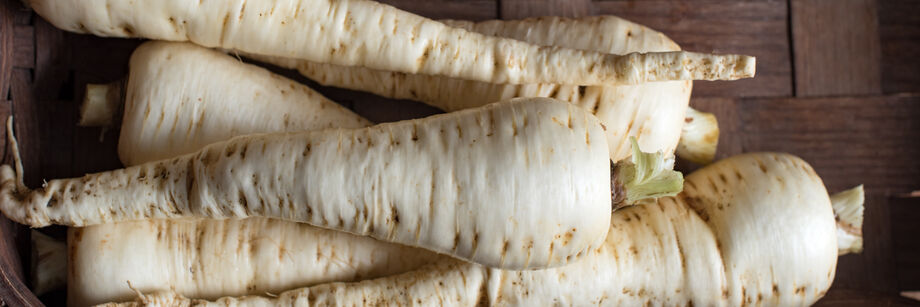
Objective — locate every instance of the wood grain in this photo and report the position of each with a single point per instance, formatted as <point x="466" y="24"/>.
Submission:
<point x="837" y="50"/>
<point x="519" y="9"/>
<point x="758" y="28"/>
<point x="6" y="50"/>
<point x="899" y="27"/>
<point x="862" y="298"/>
<point x="23" y="46"/>
<point x="905" y="212"/>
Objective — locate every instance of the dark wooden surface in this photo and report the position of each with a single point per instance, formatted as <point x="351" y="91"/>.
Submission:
<point x="836" y="84"/>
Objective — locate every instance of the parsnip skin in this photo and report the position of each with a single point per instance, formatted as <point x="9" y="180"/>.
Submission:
<point x="652" y="112"/>
<point x="180" y="96"/>
<point x="700" y="137"/>
<point x="366" y="33"/>
<point x="209" y="259"/>
<point x="754" y="229"/>
<point x="447" y="283"/>
<point x="517" y="185"/>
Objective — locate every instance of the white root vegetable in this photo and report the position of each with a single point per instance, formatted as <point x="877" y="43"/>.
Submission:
<point x="447" y="283"/>
<point x="100" y="246"/>
<point x="183" y="96"/>
<point x="267" y="256"/>
<point x="209" y="259"/>
<point x="754" y="229"/>
<point x="180" y="97"/>
<point x="700" y="137"/>
<point x="651" y="112"/>
<point x="367" y="33"/>
<point x="521" y="184"/>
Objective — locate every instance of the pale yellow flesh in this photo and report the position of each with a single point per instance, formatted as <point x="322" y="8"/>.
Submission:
<point x="520" y="184"/>
<point x="651" y="112"/>
<point x="374" y="35"/>
<point x="754" y="229"/>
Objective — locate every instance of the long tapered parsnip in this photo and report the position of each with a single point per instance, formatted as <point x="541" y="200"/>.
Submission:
<point x="367" y="33"/>
<point x="180" y="97"/>
<point x="754" y="229"/>
<point x="651" y="112"/>
<point x="446" y="283"/>
<point x="520" y="184"/>
<point x="213" y="258"/>
<point x="190" y="257"/>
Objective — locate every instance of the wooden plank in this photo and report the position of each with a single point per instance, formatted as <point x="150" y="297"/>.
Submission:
<point x="6" y="48"/>
<point x="45" y="131"/>
<point x="23" y="47"/>
<point x="757" y="28"/>
<point x="905" y="212"/>
<point x="519" y="9"/>
<point x="899" y="25"/>
<point x="860" y="298"/>
<point x="101" y="60"/>
<point x="21" y="14"/>
<point x="837" y="50"/>
<point x="52" y="54"/>
<point x="449" y="9"/>
<point x="13" y="290"/>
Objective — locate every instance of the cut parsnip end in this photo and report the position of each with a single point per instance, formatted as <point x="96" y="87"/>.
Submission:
<point x="848" y="209"/>
<point x="699" y="138"/>
<point x="101" y="104"/>
<point x="636" y="68"/>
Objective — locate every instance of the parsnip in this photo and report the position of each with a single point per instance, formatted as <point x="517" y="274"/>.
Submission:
<point x="651" y="112"/>
<point x="754" y="229"/>
<point x="180" y="97"/>
<point x="699" y="138"/>
<point x="175" y="245"/>
<point x="366" y="33"/>
<point x="213" y="258"/>
<point x="521" y="184"/>
<point x="190" y="257"/>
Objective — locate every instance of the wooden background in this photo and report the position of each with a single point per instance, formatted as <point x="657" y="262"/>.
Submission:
<point x="836" y="84"/>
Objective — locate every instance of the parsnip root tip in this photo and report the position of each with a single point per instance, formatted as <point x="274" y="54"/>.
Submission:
<point x="848" y="211"/>
<point x="17" y="159"/>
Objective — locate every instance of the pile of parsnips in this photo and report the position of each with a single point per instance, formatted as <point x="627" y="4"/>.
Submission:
<point x="245" y="188"/>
